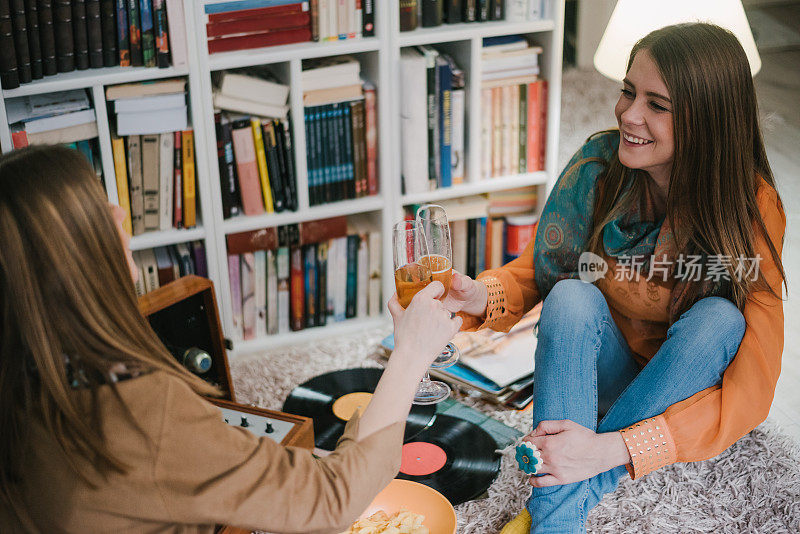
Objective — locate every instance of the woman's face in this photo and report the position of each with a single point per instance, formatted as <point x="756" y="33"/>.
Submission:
<point x="119" y="216"/>
<point x="644" y="116"/>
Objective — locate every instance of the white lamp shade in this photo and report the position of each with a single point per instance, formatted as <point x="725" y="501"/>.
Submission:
<point x="633" y="19"/>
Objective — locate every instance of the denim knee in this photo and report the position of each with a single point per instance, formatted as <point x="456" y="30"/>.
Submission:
<point x="715" y="317"/>
<point x="572" y="302"/>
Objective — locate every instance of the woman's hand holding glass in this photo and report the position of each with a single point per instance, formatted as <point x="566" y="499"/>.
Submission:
<point x="466" y="295"/>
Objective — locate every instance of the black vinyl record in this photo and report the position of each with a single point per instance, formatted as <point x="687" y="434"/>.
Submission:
<point x="471" y="461"/>
<point x="315" y="399"/>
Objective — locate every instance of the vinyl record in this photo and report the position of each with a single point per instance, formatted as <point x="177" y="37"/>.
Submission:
<point x="455" y="457"/>
<point x="338" y="392"/>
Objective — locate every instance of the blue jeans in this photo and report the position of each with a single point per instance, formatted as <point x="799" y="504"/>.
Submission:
<point x="584" y="367"/>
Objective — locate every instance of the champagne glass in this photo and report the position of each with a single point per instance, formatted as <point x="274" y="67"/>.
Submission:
<point x="440" y="261"/>
<point x="410" y="276"/>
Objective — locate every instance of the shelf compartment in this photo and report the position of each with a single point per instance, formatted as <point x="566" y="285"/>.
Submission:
<point x="166" y="237"/>
<point x="476" y="188"/>
<point x="281" y="53"/>
<point x="456" y="32"/>
<point x="315" y="333"/>
<point x="324" y="211"/>
<point x="79" y="79"/>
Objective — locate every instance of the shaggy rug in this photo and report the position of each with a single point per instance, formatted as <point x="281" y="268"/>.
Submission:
<point x="754" y="486"/>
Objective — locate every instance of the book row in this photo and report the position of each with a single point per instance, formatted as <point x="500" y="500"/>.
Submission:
<point x="65" y="117"/>
<point x="155" y="177"/>
<point x="341" y="150"/>
<point x="256" y="165"/>
<point x="301" y="276"/>
<point x="41" y="38"/>
<point x="162" y="265"/>
<point x="430" y="13"/>
<point x="245" y="24"/>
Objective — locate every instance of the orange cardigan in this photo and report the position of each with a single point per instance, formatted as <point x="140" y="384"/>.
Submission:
<point x="710" y="421"/>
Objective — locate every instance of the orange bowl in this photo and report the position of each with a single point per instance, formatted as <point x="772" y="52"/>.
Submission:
<point x="440" y="517"/>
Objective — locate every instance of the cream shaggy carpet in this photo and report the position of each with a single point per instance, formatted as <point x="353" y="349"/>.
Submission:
<point x="752" y="487"/>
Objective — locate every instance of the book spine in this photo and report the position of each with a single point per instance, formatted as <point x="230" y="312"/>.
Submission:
<point x="542" y="123"/>
<point x="79" y="34"/>
<point x="532" y="121"/>
<point x="94" y="33"/>
<point x="454" y="12"/>
<point x="457" y="110"/>
<point x="150" y="181"/>
<point x="335" y="186"/>
<point x="348" y="152"/>
<point x="9" y="74"/>
<point x="135" y="170"/>
<point x="166" y="153"/>
<point x="161" y="33"/>
<point x="321" y="315"/>
<point x="297" y="289"/>
<point x="362" y="274"/>
<point x="259" y="40"/>
<point x="433" y="123"/>
<point x="121" y="174"/>
<point x="273" y="165"/>
<point x="357" y="127"/>
<point x="135" y="33"/>
<point x="522" y="164"/>
<point x="513" y="141"/>
<point x="47" y="37"/>
<point x="21" y="40"/>
<point x="261" y="161"/>
<point x="371" y="138"/>
<point x="409" y="15"/>
<point x="480" y="245"/>
<point x="308" y="117"/>
<point x="471" y="248"/>
<point x="342" y="22"/>
<point x="431" y="13"/>
<point x="258" y="24"/>
<point x="314" y="8"/>
<point x="497" y="10"/>
<point x="189" y="193"/>
<point x="271" y="304"/>
<point x="445" y="124"/>
<point x="470" y="13"/>
<point x="497" y="131"/>
<point x="482" y="10"/>
<point x="246" y="167"/>
<point x="352" y="276"/>
<point x="368" y="18"/>
<point x="108" y="29"/>
<point x="227" y="168"/>
<point x="284" y="300"/>
<point x="123" y="34"/>
<point x="505" y="130"/>
<point x="65" y="47"/>
<point x="176" y="33"/>
<point x="249" y="308"/>
<point x="375" y="251"/>
<point x="291" y="180"/>
<point x="199" y="257"/>
<point x="148" y="38"/>
<point x="177" y="185"/>
<point x="279" y="156"/>
<point x="34" y="41"/>
<point x="234" y="273"/>
<point x="310" y="256"/>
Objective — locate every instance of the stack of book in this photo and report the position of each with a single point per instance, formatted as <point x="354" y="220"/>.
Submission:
<point x="429" y="13"/>
<point x="496" y="366"/>
<point x="432" y="114"/>
<point x="341" y="131"/>
<point x="254" y="144"/>
<point x="162" y="265"/>
<point x="300" y="276"/>
<point x="513" y="107"/>
<point x="149" y="107"/>
<point x="43" y="38"/>
<point x="245" y="24"/>
<point x="64" y="117"/>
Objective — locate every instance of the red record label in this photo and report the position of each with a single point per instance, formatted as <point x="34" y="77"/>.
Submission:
<point x="421" y="458"/>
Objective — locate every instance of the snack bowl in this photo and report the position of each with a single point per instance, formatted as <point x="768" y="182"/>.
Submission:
<point x="440" y="517"/>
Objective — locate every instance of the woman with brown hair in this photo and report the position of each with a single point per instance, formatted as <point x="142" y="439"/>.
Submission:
<point x="672" y="351"/>
<point x="103" y="431"/>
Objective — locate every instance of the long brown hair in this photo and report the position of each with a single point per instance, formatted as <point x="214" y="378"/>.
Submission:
<point x="719" y="151"/>
<point x="66" y="295"/>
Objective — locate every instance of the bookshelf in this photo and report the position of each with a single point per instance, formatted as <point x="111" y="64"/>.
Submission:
<point x="379" y="57"/>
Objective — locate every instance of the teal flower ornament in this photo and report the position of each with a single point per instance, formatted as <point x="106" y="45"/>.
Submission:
<point x="528" y="457"/>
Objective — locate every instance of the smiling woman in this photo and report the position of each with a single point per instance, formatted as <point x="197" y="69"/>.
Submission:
<point x="673" y="353"/>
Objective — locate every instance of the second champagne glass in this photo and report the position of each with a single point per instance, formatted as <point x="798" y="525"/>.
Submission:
<point x="433" y="219"/>
<point x="410" y="276"/>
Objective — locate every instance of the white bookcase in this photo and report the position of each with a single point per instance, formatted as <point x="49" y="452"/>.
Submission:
<point x="379" y="57"/>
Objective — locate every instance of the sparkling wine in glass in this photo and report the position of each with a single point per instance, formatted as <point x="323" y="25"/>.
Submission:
<point x="410" y="276"/>
<point x="433" y="219"/>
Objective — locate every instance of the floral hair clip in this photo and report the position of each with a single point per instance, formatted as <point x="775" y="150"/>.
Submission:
<point x="529" y="458"/>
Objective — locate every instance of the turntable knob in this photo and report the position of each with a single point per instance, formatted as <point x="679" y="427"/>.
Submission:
<point x="244" y="422"/>
<point x="269" y="429"/>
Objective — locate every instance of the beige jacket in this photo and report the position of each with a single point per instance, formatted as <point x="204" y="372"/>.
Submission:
<point x="189" y="470"/>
